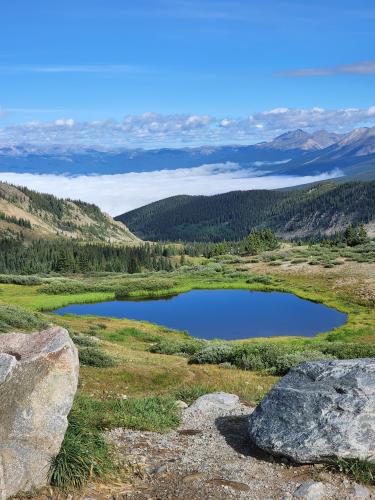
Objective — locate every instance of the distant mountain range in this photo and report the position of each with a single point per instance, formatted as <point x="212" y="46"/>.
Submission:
<point x="30" y="215"/>
<point x="293" y="153"/>
<point x="323" y="208"/>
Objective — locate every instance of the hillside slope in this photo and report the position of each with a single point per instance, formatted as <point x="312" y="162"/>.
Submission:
<point x="36" y="215"/>
<point x="323" y="208"/>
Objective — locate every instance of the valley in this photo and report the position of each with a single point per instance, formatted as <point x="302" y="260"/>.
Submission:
<point x="151" y="366"/>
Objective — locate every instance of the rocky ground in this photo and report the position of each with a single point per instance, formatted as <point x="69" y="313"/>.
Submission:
<point x="210" y="457"/>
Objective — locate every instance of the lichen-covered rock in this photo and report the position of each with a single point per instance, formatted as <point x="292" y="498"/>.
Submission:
<point x="320" y="410"/>
<point x="38" y="381"/>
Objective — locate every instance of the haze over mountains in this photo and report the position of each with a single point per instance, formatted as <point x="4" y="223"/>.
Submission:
<point x="293" y="153"/>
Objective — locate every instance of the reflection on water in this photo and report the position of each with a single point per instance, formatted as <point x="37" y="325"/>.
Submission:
<point x="224" y="314"/>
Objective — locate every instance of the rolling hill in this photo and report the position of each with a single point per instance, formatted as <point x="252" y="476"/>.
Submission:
<point x="323" y="208"/>
<point x="34" y="215"/>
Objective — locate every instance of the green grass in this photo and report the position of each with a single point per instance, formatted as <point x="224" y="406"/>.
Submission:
<point x="189" y="394"/>
<point x="153" y="413"/>
<point x="85" y="454"/>
<point x="17" y="318"/>
<point x="361" y="471"/>
<point x="92" y="356"/>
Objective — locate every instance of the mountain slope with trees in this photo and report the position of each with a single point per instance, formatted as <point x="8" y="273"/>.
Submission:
<point x="29" y="215"/>
<point x="324" y="208"/>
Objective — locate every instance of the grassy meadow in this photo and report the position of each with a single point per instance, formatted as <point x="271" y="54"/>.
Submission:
<point x="132" y="372"/>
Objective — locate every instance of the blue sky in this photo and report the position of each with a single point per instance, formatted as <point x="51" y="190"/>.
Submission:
<point x="95" y="60"/>
<point x="170" y="73"/>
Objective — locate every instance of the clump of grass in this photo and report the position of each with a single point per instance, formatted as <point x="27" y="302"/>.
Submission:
<point x="361" y="471"/>
<point x="189" y="393"/>
<point x="92" y="356"/>
<point x="16" y="318"/>
<point x="154" y="413"/>
<point x="84" y="453"/>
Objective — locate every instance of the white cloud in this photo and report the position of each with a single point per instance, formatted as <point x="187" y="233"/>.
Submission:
<point x="119" y="193"/>
<point x="360" y="68"/>
<point x="84" y="68"/>
<point x="155" y="130"/>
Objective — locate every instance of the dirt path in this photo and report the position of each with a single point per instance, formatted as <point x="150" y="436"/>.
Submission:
<point x="210" y="457"/>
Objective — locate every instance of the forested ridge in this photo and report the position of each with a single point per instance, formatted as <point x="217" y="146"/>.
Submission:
<point x="32" y="215"/>
<point x="319" y="209"/>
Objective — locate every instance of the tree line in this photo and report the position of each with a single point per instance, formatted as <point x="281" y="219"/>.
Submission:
<point x="70" y="256"/>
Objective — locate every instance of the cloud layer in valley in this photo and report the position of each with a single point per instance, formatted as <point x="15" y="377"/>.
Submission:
<point x="155" y="130"/>
<point x="119" y="193"/>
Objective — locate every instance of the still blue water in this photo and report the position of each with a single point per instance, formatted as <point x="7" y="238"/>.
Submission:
<point x="224" y="314"/>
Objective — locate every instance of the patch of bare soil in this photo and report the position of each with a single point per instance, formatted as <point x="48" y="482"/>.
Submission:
<point x="210" y="457"/>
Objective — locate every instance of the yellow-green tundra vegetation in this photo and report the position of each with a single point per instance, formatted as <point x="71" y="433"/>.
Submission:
<point x="132" y="372"/>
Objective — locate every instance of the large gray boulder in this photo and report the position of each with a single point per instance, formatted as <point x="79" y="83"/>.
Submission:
<point x="320" y="410"/>
<point x="38" y="381"/>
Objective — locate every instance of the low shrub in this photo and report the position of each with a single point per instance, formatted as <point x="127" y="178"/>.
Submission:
<point x="16" y="318"/>
<point x="186" y="347"/>
<point x="82" y="340"/>
<point x="213" y="354"/>
<point x="286" y="361"/>
<point x="343" y="350"/>
<point x="14" y="279"/>
<point x="91" y="356"/>
<point x="144" y="285"/>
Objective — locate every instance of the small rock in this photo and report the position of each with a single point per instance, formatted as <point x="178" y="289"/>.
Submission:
<point x="310" y="491"/>
<point x="159" y="469"/>
<point x="287" y="496"/>
<point x="181" y="405"/>
<point x="359" y="491"/>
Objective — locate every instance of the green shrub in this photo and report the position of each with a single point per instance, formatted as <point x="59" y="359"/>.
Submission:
<point x="182" y="347"/>
<point x="286" y="361"/>
<point x="213" y="354"/>
<point x="273" y="359"/>
<point x="91" y="356"/>
<point x="14" y="279"/>
<point x="263" y="279"/>
<point x="16" y="318"/>
<point x="343" y="350"/>
<point x="83" y="340"/>
<point x="144" y="285"/>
